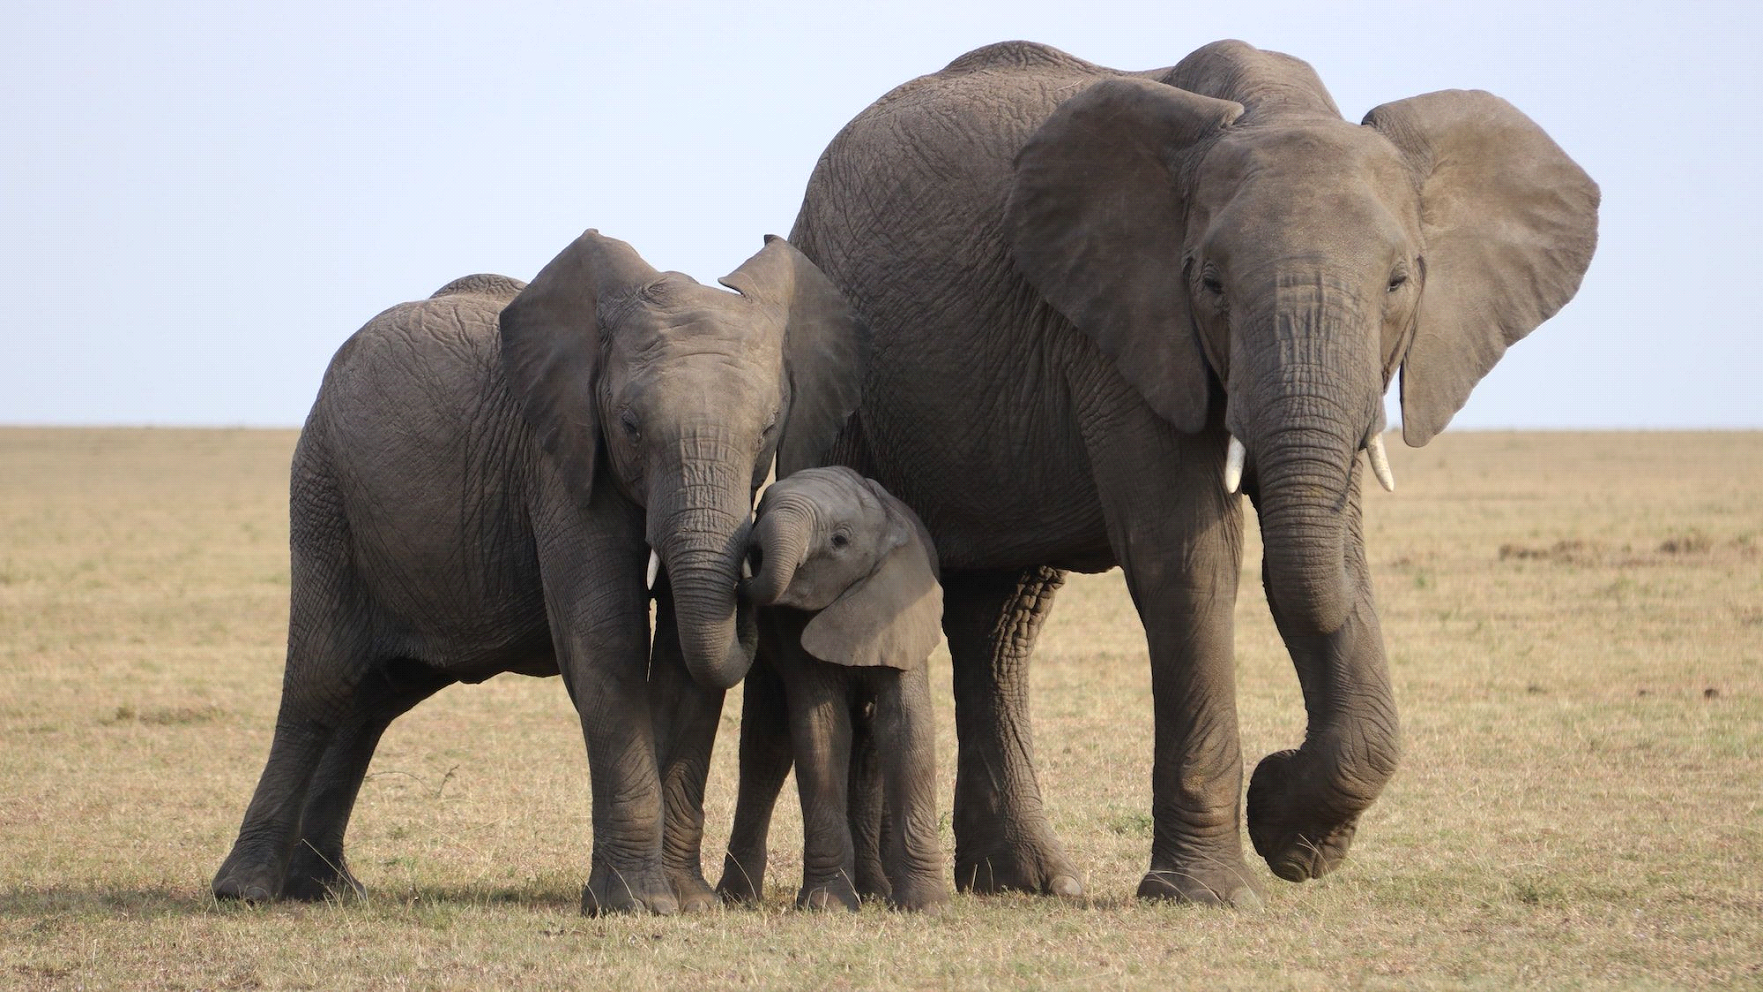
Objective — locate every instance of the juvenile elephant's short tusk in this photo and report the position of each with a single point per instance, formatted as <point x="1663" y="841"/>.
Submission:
<point x="746" y="568"/>
<point x="1380" y="463"/>
<point x="654" y="569"/>
<point x="1233" y="465"/>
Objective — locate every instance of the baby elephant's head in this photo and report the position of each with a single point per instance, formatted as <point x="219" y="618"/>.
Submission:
<point x="827" y="540"/>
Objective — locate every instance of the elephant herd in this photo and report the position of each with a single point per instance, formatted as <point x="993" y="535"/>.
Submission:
<point x="1035" y="316"/>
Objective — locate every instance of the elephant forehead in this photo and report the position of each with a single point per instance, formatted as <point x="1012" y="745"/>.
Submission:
<point x="1285" y="190"/>
<point x="1314" y="155"/>
<point x="677" y="329"/>
<point x="838" y="492"/>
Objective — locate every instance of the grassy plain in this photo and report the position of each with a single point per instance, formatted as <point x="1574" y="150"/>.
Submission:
<point x="1575" y="629"/>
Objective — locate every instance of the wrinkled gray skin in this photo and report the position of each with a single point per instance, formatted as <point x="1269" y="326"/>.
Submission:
<point x="1082" y="281"/>
<point x="846" y="579"/>
<point x="476" y="491"/>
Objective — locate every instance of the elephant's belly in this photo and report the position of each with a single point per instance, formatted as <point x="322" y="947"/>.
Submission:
<point x="474" y="627"/>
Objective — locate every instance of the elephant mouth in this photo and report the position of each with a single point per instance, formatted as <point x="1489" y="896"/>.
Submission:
<point x="1236" y="456"/>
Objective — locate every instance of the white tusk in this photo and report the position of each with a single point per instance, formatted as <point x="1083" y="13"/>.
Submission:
<point x="1233" y="465"/>
<point x="654" y="569"/>
<point x="746" y="568"/>
<point x="1380" y="463"/>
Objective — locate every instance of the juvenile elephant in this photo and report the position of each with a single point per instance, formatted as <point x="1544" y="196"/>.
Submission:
<point x="1104" y="302"/>
<point x="847" y="579"/>
<point x="477" y="488"/>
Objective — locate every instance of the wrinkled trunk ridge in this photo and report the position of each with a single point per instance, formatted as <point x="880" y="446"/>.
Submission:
<point x="1305" y="410"/>
<point x="698" y="523"/>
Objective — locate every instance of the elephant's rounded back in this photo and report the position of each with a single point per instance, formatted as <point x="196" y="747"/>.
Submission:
<point x="419" y="439"/>
<point x="905" y="213"/>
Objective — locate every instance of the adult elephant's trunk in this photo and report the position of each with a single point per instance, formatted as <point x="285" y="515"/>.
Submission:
<point x="1302" y="405"/>
<point x="1304" y="413"/>
<point x="779" y="544"/>
<point x="1303" y="472"/>
<point x="698" y="523"/>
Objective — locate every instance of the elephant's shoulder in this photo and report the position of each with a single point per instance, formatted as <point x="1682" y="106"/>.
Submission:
<point x="1024" y="55"/>
<point x="499" y="288"/>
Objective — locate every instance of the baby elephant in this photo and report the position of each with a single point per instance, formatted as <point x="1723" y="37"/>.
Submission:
<point x="850" y="581"/>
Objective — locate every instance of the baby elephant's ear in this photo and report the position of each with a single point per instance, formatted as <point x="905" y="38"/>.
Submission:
<point x="891" y="617"/>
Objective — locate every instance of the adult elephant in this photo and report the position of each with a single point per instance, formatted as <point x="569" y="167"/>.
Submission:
<point x="476" y="491"/>
<point x="1102" y="301"/>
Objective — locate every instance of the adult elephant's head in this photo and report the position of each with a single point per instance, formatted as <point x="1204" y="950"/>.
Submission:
<point x="1222" y="234"/>
<point x="683" y="394"/>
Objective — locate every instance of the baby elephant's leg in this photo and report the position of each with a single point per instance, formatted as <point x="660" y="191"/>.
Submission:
<point x="906" y="736"/>
<point x="820" y="731"/>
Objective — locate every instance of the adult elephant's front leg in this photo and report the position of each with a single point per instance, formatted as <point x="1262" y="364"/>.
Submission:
<point x="1304" y="804"/>
<point x="1002" y="838"/>
<point x="1178" y="535"/>
<point x="1197" y="770"/>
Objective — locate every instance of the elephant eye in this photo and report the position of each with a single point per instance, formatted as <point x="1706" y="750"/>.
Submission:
<point x="840" y="539"/>
<point x="770" y="425"/>
<point x="628" y="421"/>
<point x="1212" y="283"/>
<point x="1397" y="281"/>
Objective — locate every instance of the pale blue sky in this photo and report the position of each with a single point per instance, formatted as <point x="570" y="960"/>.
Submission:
<point x="199" y="202"/>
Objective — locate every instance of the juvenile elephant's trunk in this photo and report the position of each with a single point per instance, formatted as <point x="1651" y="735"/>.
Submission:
<point x="780" y="540"/>
<point x="699" y="524"/>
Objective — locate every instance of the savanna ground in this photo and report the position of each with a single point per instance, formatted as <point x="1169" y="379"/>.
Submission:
<point x="1575" y="629"/>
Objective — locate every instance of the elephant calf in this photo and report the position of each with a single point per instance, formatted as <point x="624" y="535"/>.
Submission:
<point x="850" y="581"/>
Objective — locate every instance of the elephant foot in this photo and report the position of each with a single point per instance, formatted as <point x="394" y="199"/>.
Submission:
<point x="635" y="890"/>
<point x="919" y="895"/>
<point x="245" y="881"/>
<point x="1038" y="868"/>
<point x="1298" y="836"/>
<point x="835" y="893"/>
<point x="1215" y="883"/>
<point x="693" y="893"/>
<point x="313" y="877"/>
<point x="872" y="881"/>
<point x="743" y="879"/>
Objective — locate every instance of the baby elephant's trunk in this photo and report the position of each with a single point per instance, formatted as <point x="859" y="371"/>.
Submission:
<point x="779" y="542"/>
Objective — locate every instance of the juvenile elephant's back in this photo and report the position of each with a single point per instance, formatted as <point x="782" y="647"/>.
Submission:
<point x="416" y="434"/>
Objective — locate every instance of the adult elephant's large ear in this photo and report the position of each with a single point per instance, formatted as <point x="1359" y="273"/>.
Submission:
<point x="826" y="348"/>
<point x="551" y="347"/>
<point x="1508" y="224"/>
<point x="1096" y="222"/>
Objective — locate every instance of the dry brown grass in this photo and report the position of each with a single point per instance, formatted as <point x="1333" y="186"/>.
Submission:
<point x="1575" y="626"/>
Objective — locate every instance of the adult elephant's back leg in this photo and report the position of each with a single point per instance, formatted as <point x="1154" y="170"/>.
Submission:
<point x="1002" y="838"/>
<point x="317" y="868"/>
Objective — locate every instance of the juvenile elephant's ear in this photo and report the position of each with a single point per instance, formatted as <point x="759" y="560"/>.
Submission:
<point x="826" y="348"/>
<point x="1509" y="223"/>
<point x="893" y="616"/>
<point x="551" y="347"/>
<point x="1096" y="222"/>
